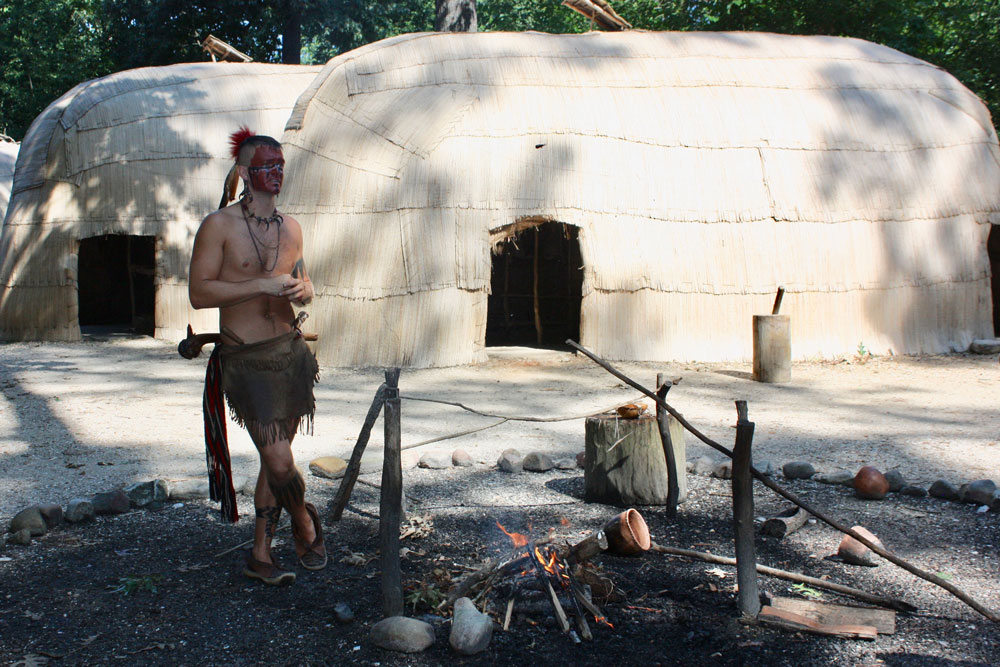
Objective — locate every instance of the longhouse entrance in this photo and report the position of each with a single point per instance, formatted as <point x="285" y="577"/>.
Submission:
<point x="116" y="292"/>
<point x="536" y="285"/>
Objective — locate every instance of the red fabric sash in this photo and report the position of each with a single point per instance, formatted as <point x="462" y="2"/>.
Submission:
<point x="220" y="473"/>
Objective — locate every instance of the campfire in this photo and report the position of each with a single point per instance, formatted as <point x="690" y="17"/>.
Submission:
<point x="536" y="578"/>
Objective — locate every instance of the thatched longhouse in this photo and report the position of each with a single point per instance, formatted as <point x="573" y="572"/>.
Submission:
<point x="112" y="181"/>
<point x="646" y="191"/>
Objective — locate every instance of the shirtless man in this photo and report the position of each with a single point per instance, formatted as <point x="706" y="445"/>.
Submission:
<point x="247" y="262"/>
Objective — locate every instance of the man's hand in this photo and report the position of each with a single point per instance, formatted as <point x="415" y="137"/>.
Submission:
<point x="284" y="285"/>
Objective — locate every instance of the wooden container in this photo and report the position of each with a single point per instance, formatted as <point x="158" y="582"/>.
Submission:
<point x="772" y="348"/>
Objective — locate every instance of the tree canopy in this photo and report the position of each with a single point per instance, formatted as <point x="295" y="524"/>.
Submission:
<point x="48" y="46"/>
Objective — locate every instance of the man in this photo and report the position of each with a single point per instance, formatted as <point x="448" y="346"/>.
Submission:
<point x="247" y="262"/>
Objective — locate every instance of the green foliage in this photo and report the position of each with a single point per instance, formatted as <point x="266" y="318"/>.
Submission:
<point x="46" y="47"/>
<point x="136" y="583"/>
<point x="807" y="591"/>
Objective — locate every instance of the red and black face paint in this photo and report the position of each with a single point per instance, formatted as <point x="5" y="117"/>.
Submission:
<point x="267" y="169"/>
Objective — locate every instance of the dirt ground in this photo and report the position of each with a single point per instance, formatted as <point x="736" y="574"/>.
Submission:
<point x="151" y="587"/>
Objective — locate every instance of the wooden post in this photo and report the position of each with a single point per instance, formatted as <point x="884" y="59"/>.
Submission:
<point x="746" y="559"/>
<point x="772" y="348"/>
<point x="391" y="501"/>
<point x="354" y="466"/>
<point x="663" y="421"/>
<point x="538" y="314"/>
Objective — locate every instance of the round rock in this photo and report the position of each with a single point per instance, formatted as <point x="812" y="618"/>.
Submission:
<point x="52" y="513"/>
<point x="723" y="470"/>
<point x="111" y="502"/>
<point x="328" y="467"/>
<point x="189" y="489"/>
<point x="471" y="630"/>
<point x="704" y="465"/>
<point x="538" y="462"/>
<point x="435" y="460"/>
<point x="22" y="537"/>
<point x="798" y="470"/>
<point x="461" y="458"/>
<point x="944" y="490"/>
<point x="510" y="461"/>
<point x="914" y="491"/>
<point x="399" y="633"/>
<point x="979" y="492"/>
<point x="896" y="480"/>
<point x="30" y="519"/>
<point x="841" y="477"/>
<point x="78" y="510"/>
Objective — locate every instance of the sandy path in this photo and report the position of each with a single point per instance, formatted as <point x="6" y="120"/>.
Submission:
<point x="80" y="418"/>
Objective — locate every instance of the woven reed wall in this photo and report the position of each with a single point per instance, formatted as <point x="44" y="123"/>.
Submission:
<point x="139" y="152"/>
<point x="8" y="155"/>
<point x="703" y="170"/>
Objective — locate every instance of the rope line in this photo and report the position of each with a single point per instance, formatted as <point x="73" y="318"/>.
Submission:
<point x="515" y="418"/>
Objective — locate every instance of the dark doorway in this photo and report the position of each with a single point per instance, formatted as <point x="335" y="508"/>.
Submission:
<point x="993" y="249"/>
<point x="116" y="293"/>
<point x="537" y="285"/>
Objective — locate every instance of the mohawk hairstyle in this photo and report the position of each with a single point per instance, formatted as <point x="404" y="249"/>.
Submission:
<point x="237" y="138"/>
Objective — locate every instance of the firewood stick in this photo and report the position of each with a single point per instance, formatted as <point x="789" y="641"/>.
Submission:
<point x="892" y="603"/>
<point x="556" y="605"/>
<point x="763" y="479"/>
<point x="510" y="611"/>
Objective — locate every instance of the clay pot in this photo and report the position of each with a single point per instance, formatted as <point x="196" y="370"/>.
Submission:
<point x="870" y="484"/>
<point x="627" y="534"/>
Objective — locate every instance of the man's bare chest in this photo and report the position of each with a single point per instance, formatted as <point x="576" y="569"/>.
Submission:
<point x="256" y="253"/>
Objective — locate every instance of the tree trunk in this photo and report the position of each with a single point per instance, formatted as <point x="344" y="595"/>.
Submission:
<point x="455" y="16"/>
<point x="625" y="464"/>
<point x="291" y="34"/>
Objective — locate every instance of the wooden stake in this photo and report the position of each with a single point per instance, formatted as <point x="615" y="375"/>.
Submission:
<point x="663" y="422"/>
<point x="391" y="502"/>
<point x="354" y="466"/>
<point x="746" y="558"/>
<point x="510" y="610"/>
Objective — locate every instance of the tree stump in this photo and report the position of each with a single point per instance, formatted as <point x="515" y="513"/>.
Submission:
<point x="625" y="463"/>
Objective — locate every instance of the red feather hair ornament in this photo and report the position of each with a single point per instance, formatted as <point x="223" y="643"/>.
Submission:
<point x="237" y="138"/>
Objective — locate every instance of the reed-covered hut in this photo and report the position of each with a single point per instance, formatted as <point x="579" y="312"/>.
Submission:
<point x="647" y="192"/>
<point x="8" y="156"/>
<point x="112" y="181"/>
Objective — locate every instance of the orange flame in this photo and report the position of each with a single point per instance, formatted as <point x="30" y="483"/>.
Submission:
<point x="518" y="539"/>
<point x="601" y="619"/>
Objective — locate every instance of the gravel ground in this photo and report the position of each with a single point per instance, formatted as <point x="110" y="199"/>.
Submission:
<point x="89" y="417"/>
<point x="81" y="418"/>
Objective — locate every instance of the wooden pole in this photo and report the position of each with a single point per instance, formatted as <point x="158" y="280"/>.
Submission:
<point x="891" y="603"/>
<point x="663" y="421"/>
<point x="538" y="314"/>
<point x="746" y="558"/>
<point x="391" y="501"/>
<point x="788" y="495"/>
<point x="354" y="466"/>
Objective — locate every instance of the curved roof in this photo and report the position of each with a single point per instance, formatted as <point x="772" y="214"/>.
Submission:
<point x="684" y="159"/>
